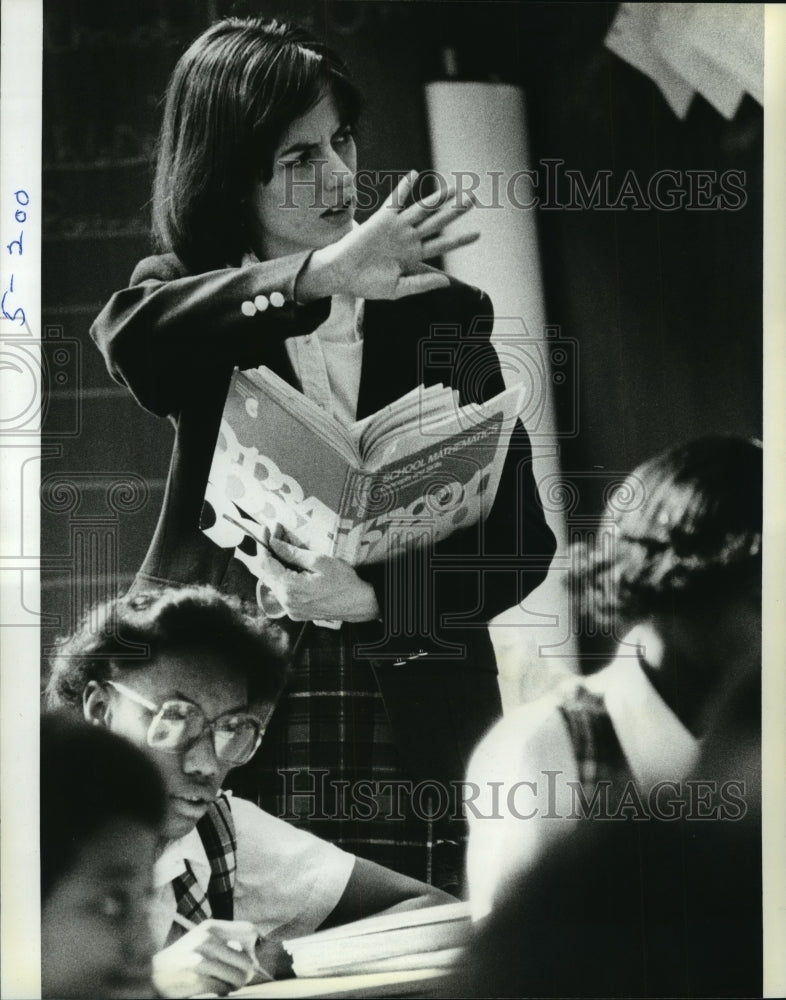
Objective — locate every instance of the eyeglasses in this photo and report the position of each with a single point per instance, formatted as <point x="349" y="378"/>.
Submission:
<point x="178" y="725"/>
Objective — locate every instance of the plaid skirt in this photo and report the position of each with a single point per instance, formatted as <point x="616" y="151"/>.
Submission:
<point x="329" y="764"/>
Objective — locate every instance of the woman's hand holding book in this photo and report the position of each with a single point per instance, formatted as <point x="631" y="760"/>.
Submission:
<point x="311" y="587"/>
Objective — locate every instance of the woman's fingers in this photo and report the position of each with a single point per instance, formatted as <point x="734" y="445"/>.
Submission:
<point x="416" y="284"/>
<point x="276" y="575"/>
<point x="436" y="210"/>
<point x="292" y="555"/>
<point x="268" y="601"/>
<point x="398" y="196"/>
<point x="436" y="247"/>
<point x="448" y="212"/>
<point x="269" y="564"/>
<point x="422" y="208"/>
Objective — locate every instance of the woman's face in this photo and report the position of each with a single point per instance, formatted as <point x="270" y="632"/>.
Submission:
<point x="309" y="201"/>
<point x="95" y="936"/>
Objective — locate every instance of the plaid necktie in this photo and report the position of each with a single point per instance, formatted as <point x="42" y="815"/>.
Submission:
<point x="216" y="830"/>
<point x="599" y="755"/>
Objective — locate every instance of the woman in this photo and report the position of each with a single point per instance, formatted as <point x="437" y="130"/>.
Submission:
<point x="675" y="576"/>
<point x="262" y="264"/>
<point x="102" y="808"/>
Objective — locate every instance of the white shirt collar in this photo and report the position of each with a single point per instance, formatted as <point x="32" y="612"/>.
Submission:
<point x="657" y="746"/>
<point x="172" y="860"/>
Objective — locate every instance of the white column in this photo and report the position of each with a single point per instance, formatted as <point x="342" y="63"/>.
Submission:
<point x="479" y="141"/>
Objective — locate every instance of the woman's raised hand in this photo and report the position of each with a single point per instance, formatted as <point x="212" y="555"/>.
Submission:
<point x="383" y="258"/>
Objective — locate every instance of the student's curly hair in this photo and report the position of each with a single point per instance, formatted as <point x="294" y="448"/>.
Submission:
<point x="89" y="777"/>
<point x="687" y="526"/>
<point x="129" y="632"/>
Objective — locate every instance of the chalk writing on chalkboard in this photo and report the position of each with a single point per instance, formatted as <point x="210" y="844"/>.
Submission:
<point x="90" y="145"/>
<point x="81" y="37"/>
<point x="126" y="163"/>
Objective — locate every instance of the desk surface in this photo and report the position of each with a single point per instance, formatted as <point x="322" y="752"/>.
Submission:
<point x="411" y="983"/>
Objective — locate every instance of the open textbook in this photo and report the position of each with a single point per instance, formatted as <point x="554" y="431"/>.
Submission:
<point x="428" y="938"/>
<point x="414" y="471"/>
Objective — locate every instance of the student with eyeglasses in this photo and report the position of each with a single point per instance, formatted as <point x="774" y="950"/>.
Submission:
<point x="191" y="678"/>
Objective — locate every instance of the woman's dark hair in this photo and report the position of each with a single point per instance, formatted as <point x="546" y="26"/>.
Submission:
<point x="89" y="777"/>
<point x="127" y="633"/>
<point x="230" y="98"/>
<point x="683" y="527"/>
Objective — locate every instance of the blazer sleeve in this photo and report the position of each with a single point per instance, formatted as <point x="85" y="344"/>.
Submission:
<point x="478" y="572"/>
<point x="169" y="332"/>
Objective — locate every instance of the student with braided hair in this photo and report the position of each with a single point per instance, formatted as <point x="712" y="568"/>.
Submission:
<point x="674" y="575"/>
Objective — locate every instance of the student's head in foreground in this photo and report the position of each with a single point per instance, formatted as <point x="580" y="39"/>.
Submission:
<point x="670" y="907"/>
<point x="102" y="806"/>
<point x="679" y="549"/>
<point x="183" y="673"/>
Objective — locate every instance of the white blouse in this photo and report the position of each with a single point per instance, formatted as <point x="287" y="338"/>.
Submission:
<point x="287" y="881"/>
<point x="328" y="361"/>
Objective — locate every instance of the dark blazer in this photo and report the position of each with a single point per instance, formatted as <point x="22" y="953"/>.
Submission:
<point x="173" y="339"/>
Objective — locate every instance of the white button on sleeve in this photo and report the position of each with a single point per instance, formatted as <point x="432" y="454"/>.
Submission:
<point x="276" y="300"/>
<point x="261" y="303"/>
<point x="248" y="308"/>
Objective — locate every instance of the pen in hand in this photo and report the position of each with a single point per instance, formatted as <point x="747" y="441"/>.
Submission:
<point x="256" y="971"/>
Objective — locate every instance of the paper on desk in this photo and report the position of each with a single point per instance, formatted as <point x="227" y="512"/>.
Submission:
<point x="384" y="984"/>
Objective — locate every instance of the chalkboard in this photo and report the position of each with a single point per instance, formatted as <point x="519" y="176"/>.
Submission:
<point x="105" y="68"/>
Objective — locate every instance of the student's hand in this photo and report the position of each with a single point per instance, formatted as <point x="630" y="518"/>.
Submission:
<point x="311" y="587"/>
<point x="217" y="956"/>
<point x="383" y="258"/>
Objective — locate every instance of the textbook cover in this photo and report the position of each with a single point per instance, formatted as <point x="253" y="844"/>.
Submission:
<point x="413" y="472"/>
